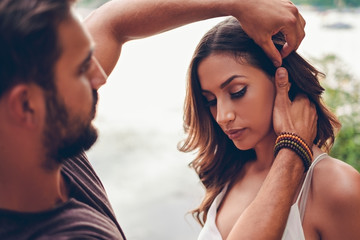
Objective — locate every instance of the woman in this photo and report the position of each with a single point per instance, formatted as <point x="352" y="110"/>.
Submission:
<point x="228" y="119"/>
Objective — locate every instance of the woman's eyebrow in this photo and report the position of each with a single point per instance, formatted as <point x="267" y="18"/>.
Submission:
<point x="228" y="81"/>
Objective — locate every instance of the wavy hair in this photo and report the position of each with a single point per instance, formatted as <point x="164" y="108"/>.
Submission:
<point x="218" y="161"/>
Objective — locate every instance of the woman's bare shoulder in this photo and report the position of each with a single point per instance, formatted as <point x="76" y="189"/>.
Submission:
<point x="336" y="180"/>
<point x="335" y="193"/>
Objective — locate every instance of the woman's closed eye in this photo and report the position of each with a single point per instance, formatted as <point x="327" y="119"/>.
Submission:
<point x="239" y="94"/>
<point x="211" y="101"/>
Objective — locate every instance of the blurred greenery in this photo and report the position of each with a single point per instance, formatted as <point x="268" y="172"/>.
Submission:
<point x="342" y="95"/>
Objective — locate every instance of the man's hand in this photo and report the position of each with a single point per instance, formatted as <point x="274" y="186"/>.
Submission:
<point x="261" y="19"/>
<point x="119" y="21"/>
<point x="298" y="116"/>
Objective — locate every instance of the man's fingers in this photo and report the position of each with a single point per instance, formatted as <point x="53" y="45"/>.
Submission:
<point x="271" y="51"/>
<point x="292" y="43"/>
<point x="294" y="39"/>
<point x="287" y="48"/>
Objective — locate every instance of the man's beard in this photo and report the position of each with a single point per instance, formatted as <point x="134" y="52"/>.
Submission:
<point x="66" y="136"/>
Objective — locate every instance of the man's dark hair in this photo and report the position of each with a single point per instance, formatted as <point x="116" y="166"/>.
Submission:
<point x="29" y="46"/>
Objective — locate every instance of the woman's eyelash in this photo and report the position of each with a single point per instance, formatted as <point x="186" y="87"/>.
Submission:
<point x="239" y="93"/>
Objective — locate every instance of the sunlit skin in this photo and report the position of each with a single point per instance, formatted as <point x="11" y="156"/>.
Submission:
<point x="73" y="70"/>
<point x="72" y="105"/>
<point x="77" y="74"/>
<point x="111" y="26"/>
<point x="28" y="185"/>
<point x="241" y="98"/>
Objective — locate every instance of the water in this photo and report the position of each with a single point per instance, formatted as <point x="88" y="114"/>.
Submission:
<point x="320" y="41"/>
<point x="140" y="123"/>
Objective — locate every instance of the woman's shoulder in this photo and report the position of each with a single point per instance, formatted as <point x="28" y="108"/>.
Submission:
<point x="335" y="198"/>
<point x="336" y="182"/>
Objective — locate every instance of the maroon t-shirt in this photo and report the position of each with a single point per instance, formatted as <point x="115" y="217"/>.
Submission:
<point x="87" y="214"/>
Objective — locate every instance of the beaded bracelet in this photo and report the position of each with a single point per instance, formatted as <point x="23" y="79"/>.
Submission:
<point x="296" y="144"/>
<point x="296" y="138"/>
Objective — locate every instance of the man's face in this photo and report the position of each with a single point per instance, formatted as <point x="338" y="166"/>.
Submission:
<point x="71" y="107"/>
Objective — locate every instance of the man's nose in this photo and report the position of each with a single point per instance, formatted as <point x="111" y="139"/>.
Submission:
<point x="97" y="75"/>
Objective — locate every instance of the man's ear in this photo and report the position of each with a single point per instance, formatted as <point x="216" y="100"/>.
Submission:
<point x="23" y="105"/>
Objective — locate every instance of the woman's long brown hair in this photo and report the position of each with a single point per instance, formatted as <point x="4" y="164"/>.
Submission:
<point x="218" y="161"/>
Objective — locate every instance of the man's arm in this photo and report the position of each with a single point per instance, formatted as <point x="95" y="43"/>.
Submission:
<point x="119" y="21"/>
<point x="266" y="216"/>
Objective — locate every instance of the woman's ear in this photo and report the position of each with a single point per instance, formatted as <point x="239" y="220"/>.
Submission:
<point x="23" y="105"/>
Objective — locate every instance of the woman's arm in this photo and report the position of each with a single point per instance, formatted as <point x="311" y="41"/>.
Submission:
<point x="266" y="216"/>
<point x="119" y="21"/>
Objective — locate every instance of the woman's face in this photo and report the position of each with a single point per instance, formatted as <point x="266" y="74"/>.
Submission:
<point x="240" y="98"/>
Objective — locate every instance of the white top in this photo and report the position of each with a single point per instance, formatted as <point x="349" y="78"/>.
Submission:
<point x="293" y="229"/>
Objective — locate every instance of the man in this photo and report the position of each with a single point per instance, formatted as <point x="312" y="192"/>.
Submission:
<point x="50" y="71"/>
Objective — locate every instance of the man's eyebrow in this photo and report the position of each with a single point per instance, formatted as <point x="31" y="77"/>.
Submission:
<point x="228" y="81"/>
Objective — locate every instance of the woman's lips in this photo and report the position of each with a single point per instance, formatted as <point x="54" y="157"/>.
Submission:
<point x="235" y="133"/>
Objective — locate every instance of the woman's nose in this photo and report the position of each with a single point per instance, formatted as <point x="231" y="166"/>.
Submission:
<point x="225" y="114"/>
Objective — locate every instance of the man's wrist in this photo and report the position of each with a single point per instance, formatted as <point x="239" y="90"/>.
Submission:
<point x="289" y="160"/>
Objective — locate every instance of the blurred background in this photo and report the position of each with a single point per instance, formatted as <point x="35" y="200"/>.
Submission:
<point x="147" y="179"/>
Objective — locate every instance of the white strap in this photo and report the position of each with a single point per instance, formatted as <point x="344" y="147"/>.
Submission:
<point x="304" y="191"/>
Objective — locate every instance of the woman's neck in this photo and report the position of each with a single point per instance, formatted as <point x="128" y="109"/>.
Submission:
<point x="265" y="152"/>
